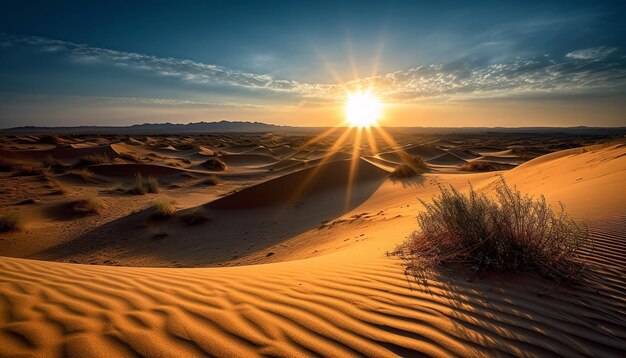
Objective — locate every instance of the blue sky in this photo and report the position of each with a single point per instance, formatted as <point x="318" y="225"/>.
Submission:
<point x="451" y="63"/>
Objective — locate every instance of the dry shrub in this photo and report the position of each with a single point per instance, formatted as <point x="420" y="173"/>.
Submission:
<point x="416" y="162"/>
<point x="163" y="209"/>
<point x="84" y="174"/>
<point x="92" y="159"/>
<point x="214" y="163"/>
<point x="11" y="221"/>
<point x="54" y="164"/>
<point x="509" y="232"/>
<point x="479" y="166"/>
<point x="413" y="165"/>
<point x="143" y="185"/>
<point x="88" y="205"/>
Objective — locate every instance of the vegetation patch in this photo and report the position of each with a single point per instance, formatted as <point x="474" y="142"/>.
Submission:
<point x="88" y="205"/>
<point x="93" y="159"/>
<point x="11" y="221"/>
<point x="163" y="209"/>
<point x="507" y="232"/>
<point x="143" y="185"/>
<point x="413" y="165"/>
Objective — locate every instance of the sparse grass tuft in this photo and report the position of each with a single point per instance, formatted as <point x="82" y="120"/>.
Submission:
<point x="143" y="185"/>
<point x="163" y="209"/>
<point x="92" y="159"/>
<point x="478" y="166"/>
<point x="53" y="164"/>
<point x="11" y="221"/>
<point x="404" y="171"/>
<point x="509" y="232"/>
<point x="214" y="163"/>
<point x="416" y="162"/>
<point x="413" y="165"/>
<point x="88" y="205"/>
<point x="85" y="174"/>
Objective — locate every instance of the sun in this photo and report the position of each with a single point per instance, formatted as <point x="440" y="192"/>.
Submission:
<point x="363" y="109"/>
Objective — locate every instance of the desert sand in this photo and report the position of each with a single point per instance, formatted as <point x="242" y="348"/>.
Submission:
<point x="291" y="257"/>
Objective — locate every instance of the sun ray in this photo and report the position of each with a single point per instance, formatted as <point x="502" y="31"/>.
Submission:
<point x="356" y="149"/>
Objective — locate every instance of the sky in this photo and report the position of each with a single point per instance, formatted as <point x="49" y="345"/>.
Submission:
<point x="431" y="63"/>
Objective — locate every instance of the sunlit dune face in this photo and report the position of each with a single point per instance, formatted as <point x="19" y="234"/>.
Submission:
<point x="363" y="109"/>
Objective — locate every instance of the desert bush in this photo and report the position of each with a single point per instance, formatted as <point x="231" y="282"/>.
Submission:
<point x="214" y="163"/>
<point x="478" y="166"/>
<point x="88" y="205"/>
<point x="412" y="165"/>
<point x="92" y="159"/>
<point x="51" y="163"/>
<point x="416" y="162"/>
<point x="193" y="217"/>
<point x="507" y="232"/>
<point x="163" y="209"/>
<point x="11" y="221"/>
<point x="84" y="174"/>
<point x="143" y="185"/>
<point x="404" y="171"/>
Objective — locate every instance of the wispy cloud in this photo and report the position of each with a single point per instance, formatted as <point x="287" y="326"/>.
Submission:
<point x="594" y="53"/>
<point x="578" y="72"/>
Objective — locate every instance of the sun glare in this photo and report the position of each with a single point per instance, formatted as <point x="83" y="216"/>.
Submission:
<point x="363" y="109"/>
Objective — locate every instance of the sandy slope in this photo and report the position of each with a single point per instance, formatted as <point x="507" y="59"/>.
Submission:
<point x="335" y="293"/>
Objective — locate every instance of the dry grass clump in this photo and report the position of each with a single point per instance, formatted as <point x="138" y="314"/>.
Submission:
<point x="404" y="171"/>
<point x="509" y="232"/>
<point x="143" y="185"/>
<point x="54" y="164"/>
<point x="413" y="165"/>
<point x="214" y="163"/>
<point x="92" y="159"/>
<point x="11" y="221"/>
<point x="163" y="209"/>
<point x="193" y="217"/>
<point x="416" y="162"/>
<point x="88" y="205"/>
<point x="84" y="174"/>
<point x="478" y="166"/>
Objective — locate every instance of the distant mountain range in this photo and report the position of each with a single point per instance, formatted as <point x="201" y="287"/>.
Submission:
<point x="258" y="127"/>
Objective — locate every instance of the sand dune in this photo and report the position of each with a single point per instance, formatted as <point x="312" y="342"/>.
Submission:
<point x="324" y="289"/>
<point x="446" y="159"/>
<point x="65" y="154"/>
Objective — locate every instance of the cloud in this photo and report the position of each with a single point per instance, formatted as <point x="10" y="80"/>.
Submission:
<point x="594" y="53"/>
<point x="582" y="71"/>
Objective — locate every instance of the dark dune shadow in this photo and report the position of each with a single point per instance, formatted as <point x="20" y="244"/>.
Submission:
<point x="239" y="224"/>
